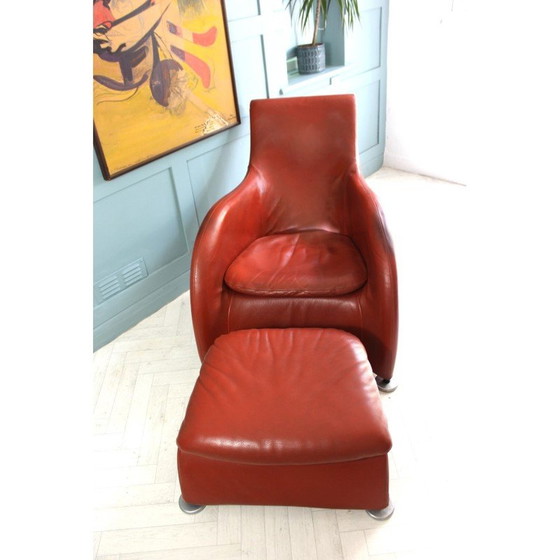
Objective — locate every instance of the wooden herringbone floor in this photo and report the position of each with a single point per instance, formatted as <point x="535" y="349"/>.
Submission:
<point x="143" y="380"/>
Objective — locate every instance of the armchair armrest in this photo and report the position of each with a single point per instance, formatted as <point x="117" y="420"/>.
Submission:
<point x="233" y="223"/>
<point x="367" y="229"/>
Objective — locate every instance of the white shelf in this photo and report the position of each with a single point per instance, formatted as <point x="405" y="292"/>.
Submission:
<point x="299" y="81"/>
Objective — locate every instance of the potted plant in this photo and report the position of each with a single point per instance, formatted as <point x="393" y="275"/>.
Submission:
<point x="311" y="57"/>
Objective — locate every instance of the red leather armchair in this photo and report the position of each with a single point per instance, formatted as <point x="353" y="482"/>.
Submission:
<point x="302" y="241"/>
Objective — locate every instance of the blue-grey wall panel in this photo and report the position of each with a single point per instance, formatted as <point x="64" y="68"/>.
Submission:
<point x="146" y="224"/>
<point x="364" y="50"/>
<point x="250" y="75"/>
<point x="215" y="173"/>
<point x="140" y="301"/>
<point x="118" y="306"/>
<point x="239" y="9"/>
<point x="367" y="106"/>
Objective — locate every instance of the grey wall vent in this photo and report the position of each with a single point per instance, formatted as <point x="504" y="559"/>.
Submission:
<point x="120" y="280"/>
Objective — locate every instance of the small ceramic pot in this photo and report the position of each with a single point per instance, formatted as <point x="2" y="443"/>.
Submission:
<point x="310" y="58"/>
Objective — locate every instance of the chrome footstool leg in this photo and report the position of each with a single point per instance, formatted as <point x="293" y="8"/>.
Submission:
<point x="189" y="508"/>
<point x="382" y="514"/>
<point x="386" y="385"/>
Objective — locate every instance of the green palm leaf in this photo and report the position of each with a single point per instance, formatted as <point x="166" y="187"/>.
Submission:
<point x="349" y="11"/>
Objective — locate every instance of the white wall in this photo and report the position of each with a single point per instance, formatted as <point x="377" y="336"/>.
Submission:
<point x="473" y="90"/>
<point x="427" y="97"/>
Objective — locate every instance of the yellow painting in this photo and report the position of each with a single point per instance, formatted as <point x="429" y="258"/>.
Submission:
<point x="162" y="78"/>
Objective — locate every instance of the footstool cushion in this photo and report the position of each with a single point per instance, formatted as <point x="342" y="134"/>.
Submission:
<point x="279" y="416"/>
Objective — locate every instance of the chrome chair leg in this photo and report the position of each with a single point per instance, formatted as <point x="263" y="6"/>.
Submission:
<point x="386" y="385"/>
<point x="382" y="514"/>
<point x="191" y="509"/>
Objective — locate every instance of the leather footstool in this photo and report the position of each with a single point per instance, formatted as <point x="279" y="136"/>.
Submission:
<point x="285" y="417"/>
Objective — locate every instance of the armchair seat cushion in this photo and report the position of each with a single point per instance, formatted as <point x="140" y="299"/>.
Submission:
<point x="312" y="263"/>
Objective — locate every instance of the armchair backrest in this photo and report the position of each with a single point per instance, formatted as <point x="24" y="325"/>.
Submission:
<point x="303" y="148"/>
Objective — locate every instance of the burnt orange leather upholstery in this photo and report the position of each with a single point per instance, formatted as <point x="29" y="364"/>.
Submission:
<point x="285" y="417"/>
<point x="302" y="241"/>
<point x="304" y="264"/>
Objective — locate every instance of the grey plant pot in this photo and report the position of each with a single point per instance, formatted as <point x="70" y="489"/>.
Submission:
<point x="310" y="58"/>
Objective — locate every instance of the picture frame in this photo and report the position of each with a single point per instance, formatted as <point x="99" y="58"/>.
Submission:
<point x="162" y="79"/>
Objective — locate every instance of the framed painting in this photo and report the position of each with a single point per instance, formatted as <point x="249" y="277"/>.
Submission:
<point x="162" y="78"/>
